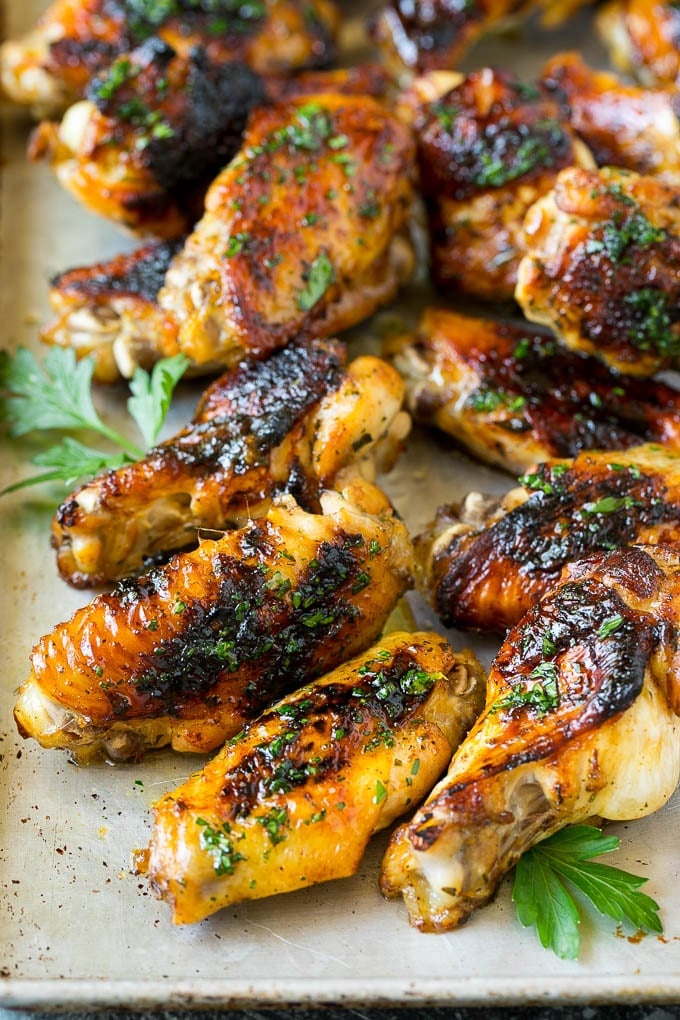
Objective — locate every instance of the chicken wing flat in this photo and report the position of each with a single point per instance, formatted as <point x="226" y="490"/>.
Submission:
<point x="287" y="424"/>
<point x="187" y="653"/>
<point x="580" y="720"/>
<point x="642" y="38"/>
<point x="152" y="131"/>
<point x="109" y="311"/>
<point x="294" y="799"/>
<point x="512" y="396"/>
<point x="603" y="267"/>
<point x="50" y="67"/>
<point x="488" y="148"/>
<point x="486" y="563"/>
<point x="623" y="125"/>
<point x="304" y="232"/>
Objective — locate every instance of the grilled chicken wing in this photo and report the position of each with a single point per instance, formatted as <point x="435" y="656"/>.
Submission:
<point x="486" y="563"/>
<point x="287" y="424"/>
<point x="303" y="232"/>
<point x="488" y="148"/>
<point x="152" y="131"/>
<point x="190" y="651"/>
<point x="50" y="67"/>
<point x="623" y="125"/>
<point x="294" y="799"/>
<point x="643" y="38"/>
<point x="603" y="267"/>
<point x="109" y="311"/>
<point x="581" y="720"/>
<point x="513" y="397"/>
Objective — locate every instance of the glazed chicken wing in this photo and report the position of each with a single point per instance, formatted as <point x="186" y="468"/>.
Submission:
<point x="303" y="232"/>
<point x="50" y="67"/>
<point x="189" y="652"/>
<point x="294" y="799"/>
<point x="488" y="148"/>
<point x="643" y="38"/>
<point x="623" y="125"/>
<point x="485" y="563"/>
<point x="603" y="267"/>
<point x="152" y="131"/>
<point x="512" y="396"/>
<point x="287" y="424"/>
<point x="580" y="720"/>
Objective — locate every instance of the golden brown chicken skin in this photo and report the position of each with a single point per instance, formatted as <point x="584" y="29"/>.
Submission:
<point x="643" y="38"/>
<point x="289" y="424"/>
<point x="108" y="311"/>
<point x="303" y="232"/>
<point x="50" y="67"/>
<point x="152" y="131"/>
<point x="602" y="267"/>
<point x="487" y="150"/>
<point x="294" y="799"/>
<point x="485" y="563"/>
<point x="580" y="720"/>
<point x="187" y="653"/>
<point x="623" y="125"/>
<point x="512" y="396"/>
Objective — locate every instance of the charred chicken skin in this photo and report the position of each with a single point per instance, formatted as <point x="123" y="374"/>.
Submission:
<point x="485" y="563"/>
<point x="75" y="40"/>
<point x="580" y="720"/>
<point x="289" y="424"/>
<point x="512" y="396"/>
<point x="603" y="267"/>
<point x="303" y="232"/>
<point x="152" y="131"/>
<point x="643" y="38"/>
<point x="189" y="652"/>
<point x="487" y="150"/>
<point x="623" y="125"/>
<point x="294" y="799"/>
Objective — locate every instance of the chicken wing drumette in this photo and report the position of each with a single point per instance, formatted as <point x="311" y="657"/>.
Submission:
<point x="187" y="653"/>
<point x="488" y="148"/>
<point x="294" y="799"/>
<point x="623" y="125"/>
<point x="603" y="267"/>
<point x="485" y="563"/>
<point x="580" y="720"/>
<point x="513" y="396"/>
<point x="152" y="131"/>
<point x="50" y="67"/>
<point x="287" y="424"/>
<point x="304" y="232"/>
<point x="643" y="38"/>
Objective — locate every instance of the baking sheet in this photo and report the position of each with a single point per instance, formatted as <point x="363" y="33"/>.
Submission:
<point x="77" y="928"/>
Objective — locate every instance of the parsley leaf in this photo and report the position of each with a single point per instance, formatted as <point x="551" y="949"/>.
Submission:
<point x="151" y="395"/>
<point x="543" y="899"/>
<point x="320" y="276"/>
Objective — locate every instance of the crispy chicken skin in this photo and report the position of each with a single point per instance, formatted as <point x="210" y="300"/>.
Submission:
<point x="623" y="125"/>
<point x="580" y="720"/>
<point x="287" y="424"/>
<point x="152" y="131"/>
<point x="603" y="267"/>
<point x="488" y="148"/>
<point x="51" y="66"/>
<point x="303" y="232"/>
<point x="512" y="396"/>
<point x="427" y="35"/>
<point x="109" y="311"/>
<point x="485" y="563"/>
<point x="643" y="38"/>
<point x="294" y="799"/>
<point x="189" y="652"/>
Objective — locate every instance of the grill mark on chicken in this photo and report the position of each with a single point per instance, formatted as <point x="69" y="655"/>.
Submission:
<point x="139" y="274"/>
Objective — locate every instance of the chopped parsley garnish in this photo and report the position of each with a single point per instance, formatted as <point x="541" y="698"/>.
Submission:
<point x="217" y="842"/>
<point x="610" y="626"/>
<point x="319" y="277"/>
<point x="275" y="822"/>
<point x="654" y="329"/>
<point x="542" y="695"/>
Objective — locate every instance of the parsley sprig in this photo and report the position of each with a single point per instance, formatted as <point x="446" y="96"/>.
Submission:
<point x="545" y="875"/>
<point x="56" y="395"/>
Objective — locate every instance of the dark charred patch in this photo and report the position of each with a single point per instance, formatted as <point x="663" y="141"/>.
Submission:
<point x="139" y="274"/>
